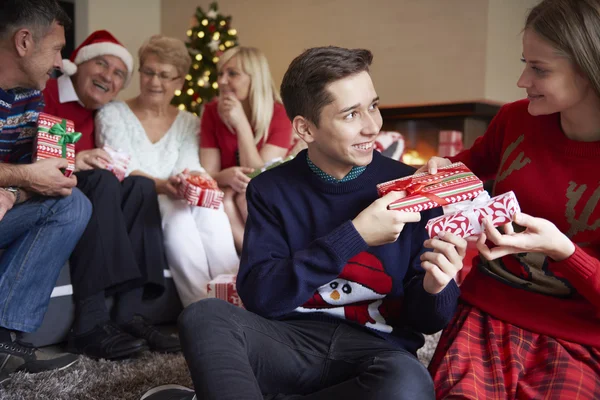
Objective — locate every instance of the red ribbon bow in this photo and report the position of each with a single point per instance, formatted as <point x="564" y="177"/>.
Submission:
<point x="413" y="186"/>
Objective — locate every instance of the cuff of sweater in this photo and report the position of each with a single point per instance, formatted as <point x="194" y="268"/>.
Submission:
<point x="578" y="263"/>
<point x="346" y="242"/>
<point x="444" y="302"/>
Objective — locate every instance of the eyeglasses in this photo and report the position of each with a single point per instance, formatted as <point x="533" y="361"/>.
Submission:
<point x="162" y="76"/>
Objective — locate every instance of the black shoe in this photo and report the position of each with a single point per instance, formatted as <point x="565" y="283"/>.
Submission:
<point x="106" y="341"/>
<point x="157" y="341"/>
<point x="20" y="356"/>
<point x="169" y="392"/>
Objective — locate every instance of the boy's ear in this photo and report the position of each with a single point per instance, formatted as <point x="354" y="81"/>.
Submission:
<point x="303" y="128"/>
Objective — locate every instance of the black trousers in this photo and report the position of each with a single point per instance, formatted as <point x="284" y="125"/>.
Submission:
<point x="235" y="354"/>
<point x="122" y="246"/>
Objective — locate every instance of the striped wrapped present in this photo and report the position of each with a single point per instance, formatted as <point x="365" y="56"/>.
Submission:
<point x="55" y="138"/>
<point x="202" y="192"/>
<point x="425" y="191"/>
<point x="223" y="287"/>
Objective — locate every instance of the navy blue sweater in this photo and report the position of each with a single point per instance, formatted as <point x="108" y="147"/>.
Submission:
<point x="303" y="258"/>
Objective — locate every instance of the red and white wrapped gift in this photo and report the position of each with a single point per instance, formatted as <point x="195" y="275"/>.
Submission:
<point x="120" y="162"/>
<point x="223" y="287"/>
<point x="451" y="184"/>
<point x="464" y="219"/>
<point x="450" y="143"/>
<point x="55" y="138"/>
<point x="202" y="192"/>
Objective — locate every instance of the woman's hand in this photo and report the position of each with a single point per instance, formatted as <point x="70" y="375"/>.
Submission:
<point x="443" y="263"/>
<point x="235" y="178"/>
<point x="170" y="186"/>
<point x="231" y="112"/>
<point x="433" y="164"/>
<point x="92" y="159"/>
<point x="539" y="236"/>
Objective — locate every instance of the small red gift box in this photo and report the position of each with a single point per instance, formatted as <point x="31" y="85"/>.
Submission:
<point x="223" y="287"/>
<point x="120" y="162"/>
<point x="55" y="138"/>
<point x="464" y="219"/>
<point x="201" y="192"/>
<point x="425" y="191"/>
<point x="450" y="143"/>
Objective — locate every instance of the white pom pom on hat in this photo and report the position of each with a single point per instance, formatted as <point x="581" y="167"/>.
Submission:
<point x="99" y="43"/>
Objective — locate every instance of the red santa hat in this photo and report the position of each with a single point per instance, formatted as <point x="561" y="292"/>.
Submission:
<point x="99" y="43"/>
<point x="367" y="270"/>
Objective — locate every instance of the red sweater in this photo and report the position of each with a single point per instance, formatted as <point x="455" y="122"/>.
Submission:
<point x="81" y="116"/>
<point x="215" y="134"/>
<point x="557" y="179"/>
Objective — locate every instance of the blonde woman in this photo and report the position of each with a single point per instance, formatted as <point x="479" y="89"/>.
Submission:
<point x="162" y="141"/>
<point x="243" y="129"/>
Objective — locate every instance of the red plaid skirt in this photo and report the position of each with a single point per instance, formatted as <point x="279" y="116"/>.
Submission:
<point x="480" y="357"/>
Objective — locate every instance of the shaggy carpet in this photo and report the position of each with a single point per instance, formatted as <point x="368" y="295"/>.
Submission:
<point x="118" y="380"/>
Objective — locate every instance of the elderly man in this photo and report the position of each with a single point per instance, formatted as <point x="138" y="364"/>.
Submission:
<point x="121" y="251"/>
<point x="42" y="215"/>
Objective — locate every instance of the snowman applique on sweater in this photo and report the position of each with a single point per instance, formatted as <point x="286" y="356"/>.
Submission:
<point x="358" y="294"/>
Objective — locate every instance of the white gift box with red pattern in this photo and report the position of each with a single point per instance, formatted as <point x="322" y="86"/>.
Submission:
<point x="450" y="143"/>
<point x="390" y="144"/>
<point x="464" y="219"/>
<point x="223" y="287"/>
<point x="120" y="162"/>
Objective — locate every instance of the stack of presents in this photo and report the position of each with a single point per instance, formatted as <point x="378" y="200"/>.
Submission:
<point x="455" y="188"/>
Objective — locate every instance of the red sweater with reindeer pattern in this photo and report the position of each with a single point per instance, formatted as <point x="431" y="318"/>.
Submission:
<point x="557" y="179"/>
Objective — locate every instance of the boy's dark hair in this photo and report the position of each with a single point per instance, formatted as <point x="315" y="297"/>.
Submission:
<point x="37" y="15"/>
<point x="303" y="89"/>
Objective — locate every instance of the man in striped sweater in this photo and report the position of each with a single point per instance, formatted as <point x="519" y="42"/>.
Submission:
<point x="42" y="215"/>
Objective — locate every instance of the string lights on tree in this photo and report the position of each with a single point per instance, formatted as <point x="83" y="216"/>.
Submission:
<point x="209" y="36"/>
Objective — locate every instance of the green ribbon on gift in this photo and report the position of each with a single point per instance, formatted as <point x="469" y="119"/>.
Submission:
<point x="65" y="137"/>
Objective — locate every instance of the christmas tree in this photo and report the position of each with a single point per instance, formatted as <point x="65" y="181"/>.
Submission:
<point x="209" y="37"/>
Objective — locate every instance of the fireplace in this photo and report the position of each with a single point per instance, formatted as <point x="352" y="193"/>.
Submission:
<point x="420" y="125"/>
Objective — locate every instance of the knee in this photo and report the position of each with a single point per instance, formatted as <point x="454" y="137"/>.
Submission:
<point x="203" y="314"/>
<point x="104" y="178"/>
<point x="76" y="208"/>
<point x="404" y="377"/>
<point x="144" y="186"/>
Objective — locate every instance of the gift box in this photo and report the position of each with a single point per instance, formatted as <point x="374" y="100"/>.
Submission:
<point x="271" y="164"/>
<point x="120" y="162"/>
<point x="223" y="287"/>
<point x="390" y="144"/>
<point x="464" y="219"/>
<point x="202" y="192"/>
<point x="55" y="138"/>
<point x="451" y="184"/>
<point x="450" y="143"/>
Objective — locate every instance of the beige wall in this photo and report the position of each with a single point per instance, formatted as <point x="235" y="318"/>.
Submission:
<point x="417" y="44"/>
<point x="131" y="21"/>
<point x="425" y="50"/>
<point x="503" y="50"/>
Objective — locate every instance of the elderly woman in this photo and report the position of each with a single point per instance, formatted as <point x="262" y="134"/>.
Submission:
<point x="162" y="141"/>
<point x="244" y="129"/>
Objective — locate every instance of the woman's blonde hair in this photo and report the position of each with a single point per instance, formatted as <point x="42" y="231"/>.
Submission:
<point x="168" y="50"/>
<point x="262" y="94"/>
<point x="572" y="27"/>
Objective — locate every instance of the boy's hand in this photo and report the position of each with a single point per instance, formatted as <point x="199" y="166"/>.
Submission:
<point x="377" y="225"/>
<point x="443" y="263"/>
<point x="433" y="164"/>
